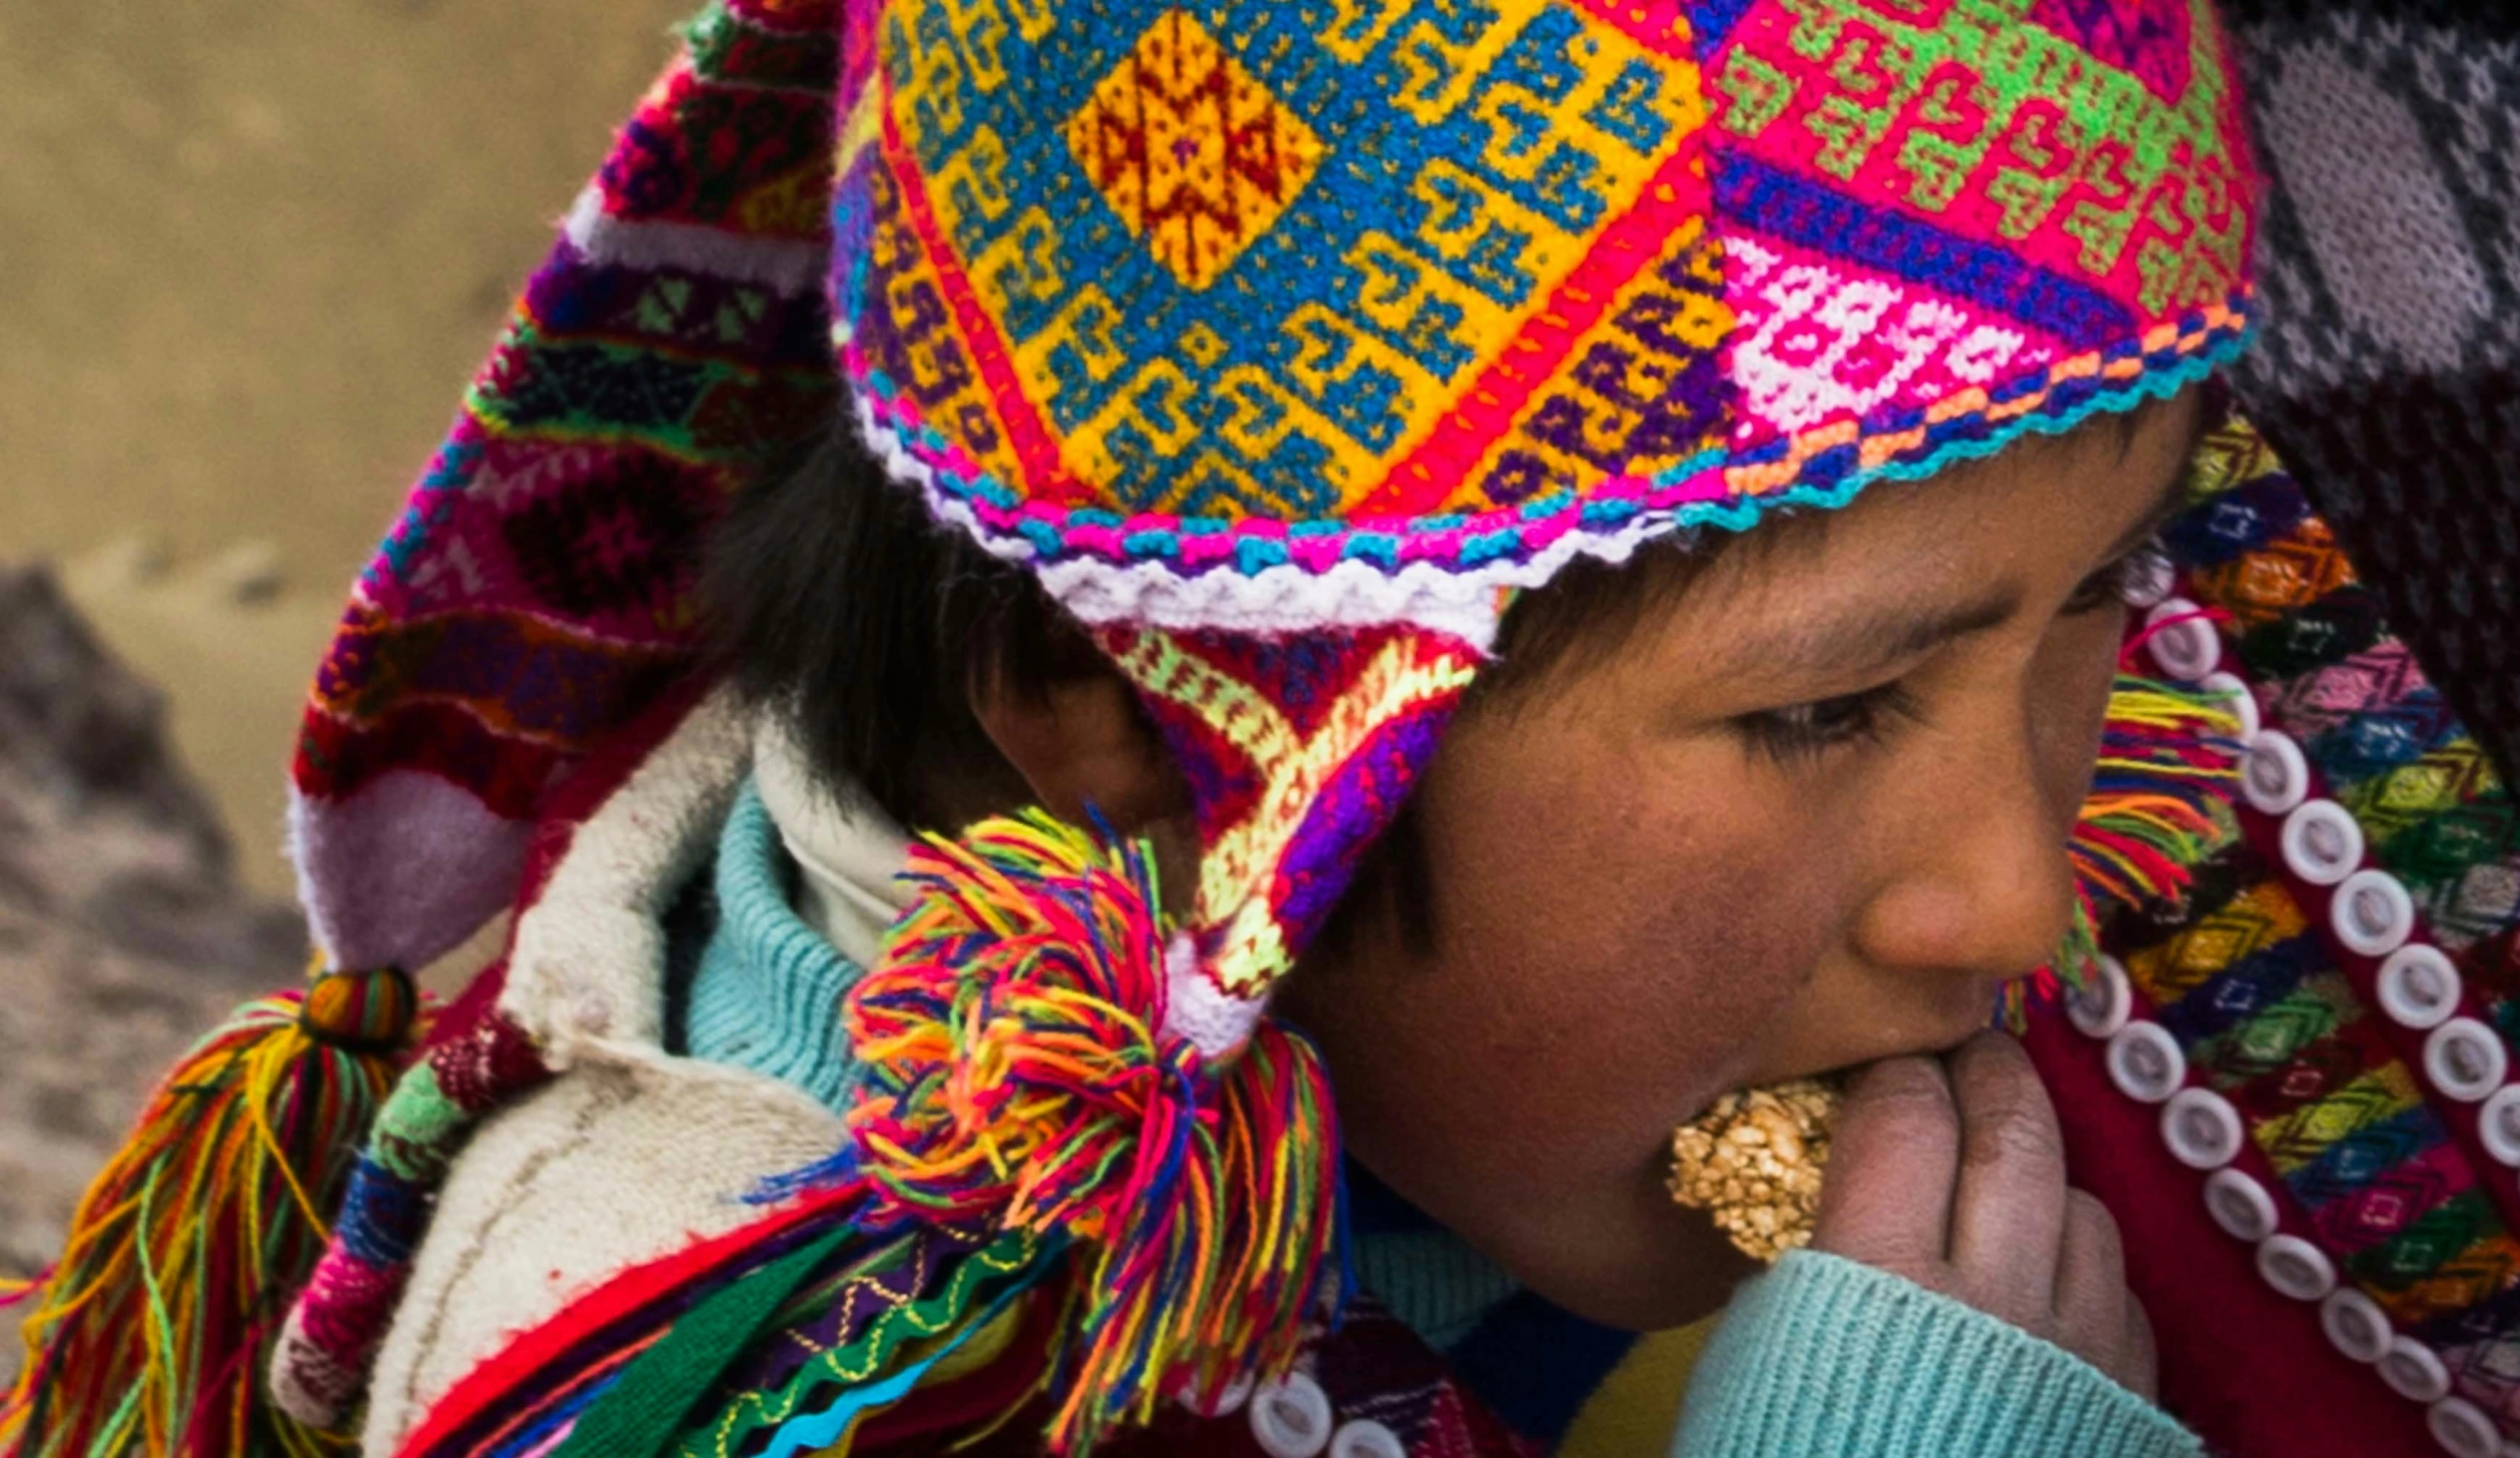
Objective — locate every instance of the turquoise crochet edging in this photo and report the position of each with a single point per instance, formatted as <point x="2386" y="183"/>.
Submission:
<point x="1822" y="1355"/>
<point x="1743" y="514"/>
<point x="768" y="990"/>
<point x="1606" y="523"/>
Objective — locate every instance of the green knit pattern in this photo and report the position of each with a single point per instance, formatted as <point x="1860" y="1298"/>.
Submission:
<point x="1822" y="1356"/>
<point x="963" y="1301"/>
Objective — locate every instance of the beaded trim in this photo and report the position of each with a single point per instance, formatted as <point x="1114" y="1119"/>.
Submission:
<point x="2353" y="1126"/>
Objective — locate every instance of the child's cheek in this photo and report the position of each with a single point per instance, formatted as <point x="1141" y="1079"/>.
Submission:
<point x="1702" y="985"/>
<point x="1626" y="942"/>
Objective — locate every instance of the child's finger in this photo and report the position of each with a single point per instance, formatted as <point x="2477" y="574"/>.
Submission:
<point x="2092" y="1305"/>
<point x="1892" y="1161"/>
<point x="2009" y="1213"/>
<point x="2143" y="1369"/>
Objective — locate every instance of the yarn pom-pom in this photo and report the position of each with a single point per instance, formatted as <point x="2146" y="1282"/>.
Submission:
<point x="1021" y="1081"/>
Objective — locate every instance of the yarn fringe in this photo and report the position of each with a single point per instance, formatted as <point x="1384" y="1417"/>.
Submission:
<point x="1022" y="1082"/>
<point x="150" y="1334"/>
<point x="2159" y="806"/>
<point x="2160" y="798"/>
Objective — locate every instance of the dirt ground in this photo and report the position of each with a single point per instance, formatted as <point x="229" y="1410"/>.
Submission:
<point x="250" y="249"/>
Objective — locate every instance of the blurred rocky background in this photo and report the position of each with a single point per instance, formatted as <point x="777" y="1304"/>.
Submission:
<point x="249" y="251"/>
<point x="122" y="931"/>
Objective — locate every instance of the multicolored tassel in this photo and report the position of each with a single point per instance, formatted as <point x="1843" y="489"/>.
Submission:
<point x="1022" y="1084"/>
<point x="2158" y="802"/>
<point x="151" y="1332"/>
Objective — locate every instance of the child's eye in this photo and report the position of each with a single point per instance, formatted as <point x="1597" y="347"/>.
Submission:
<point x="1804" y="732"/>
<point x="2107" y="586"/>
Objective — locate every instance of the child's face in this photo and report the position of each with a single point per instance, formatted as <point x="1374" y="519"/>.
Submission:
<point x="1813" y="813"/>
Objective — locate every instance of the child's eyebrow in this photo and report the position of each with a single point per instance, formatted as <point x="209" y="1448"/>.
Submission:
<point x="1852" y="649"/>
<point x="1855" y="648"/>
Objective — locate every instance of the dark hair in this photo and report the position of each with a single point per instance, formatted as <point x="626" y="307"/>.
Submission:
<point x="832" y="598"/>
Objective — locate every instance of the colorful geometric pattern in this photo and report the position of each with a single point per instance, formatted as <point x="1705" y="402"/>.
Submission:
<point x="2264" y="1003"/>
<point x="1279" y="338"/>
<point x="1407" y="300"/>
<point x="1191" y="150"/>
<point x="1299" y="754"/>
<point x="1284" y="315"/>
<point x="828" y="1365"/>
<point x="535" y="593"/>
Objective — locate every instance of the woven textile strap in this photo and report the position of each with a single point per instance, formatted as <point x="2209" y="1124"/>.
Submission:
<point x="640" y="1416"/>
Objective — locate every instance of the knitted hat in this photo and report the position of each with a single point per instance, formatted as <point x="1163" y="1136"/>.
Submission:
<point x="1279" y="340"/>
<point x="1283" y="341"/>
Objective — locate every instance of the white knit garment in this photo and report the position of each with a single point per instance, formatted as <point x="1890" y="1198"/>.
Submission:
<point x="849" y="855"/>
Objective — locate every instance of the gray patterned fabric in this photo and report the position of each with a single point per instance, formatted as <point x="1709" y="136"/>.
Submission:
<point x="2390" y="373"/>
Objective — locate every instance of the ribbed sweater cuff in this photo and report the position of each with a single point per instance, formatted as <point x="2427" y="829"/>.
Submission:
<point x="1825" y="1358"/>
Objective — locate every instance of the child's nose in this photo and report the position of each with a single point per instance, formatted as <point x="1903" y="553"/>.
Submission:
<point x="1979" y="888"/>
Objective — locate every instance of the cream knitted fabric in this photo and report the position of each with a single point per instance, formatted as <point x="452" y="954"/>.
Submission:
<point x="848" y="853"/>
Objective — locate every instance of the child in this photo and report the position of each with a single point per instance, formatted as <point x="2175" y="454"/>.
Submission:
<point x="1540" y="564"/>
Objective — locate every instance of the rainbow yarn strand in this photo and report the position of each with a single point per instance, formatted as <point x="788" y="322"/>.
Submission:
<point x="2158" y="808"/>
<point x="1023" y="1082"/>
<point x="2158" y="800"/>
<point x="151" y="1333"/>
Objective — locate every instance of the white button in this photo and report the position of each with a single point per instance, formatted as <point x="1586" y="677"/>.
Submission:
<point x="2498" y="1125"/>
<point x="2241" y="1205"/>
<point x="2233" y="691"/>
<point x="2274" y="776"/>
<point x="1365" y="1438"/>
<point x="2295" y="1267"/>
<point x="2355" y="1325"/>
<point x="2149" y="579"/>
<point x="2145" y="1063"/>
<point x="2419" y="986"/>
<point x="2183" y="644"/>
<point x="2462" y="1429"/>
<point x="1227" y="1403"/>
<point x="2465" y="1059"/>
<point x="1291" y="1417"/>
<point x="2372" y="913"/>
<point x="2100" y="1007"/>
<point x="2201" y="1129"/>
<point x="2413" y="1372"/>
<point x="2322" y="842"/>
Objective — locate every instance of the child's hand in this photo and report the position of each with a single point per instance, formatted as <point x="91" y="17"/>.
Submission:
<point x="1951" y="1172"/>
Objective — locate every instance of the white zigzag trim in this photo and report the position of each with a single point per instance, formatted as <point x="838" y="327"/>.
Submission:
<point x="783" y="266"/>
<point x="1279" y="599"/>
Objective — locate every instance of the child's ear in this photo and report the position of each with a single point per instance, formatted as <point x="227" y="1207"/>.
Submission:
<point x="1083" y="741"/>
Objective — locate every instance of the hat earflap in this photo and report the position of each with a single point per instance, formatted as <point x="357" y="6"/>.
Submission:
<point x="1050" y="1054"/>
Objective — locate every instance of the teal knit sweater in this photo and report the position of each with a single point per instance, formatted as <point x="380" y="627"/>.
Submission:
<point x="1825" y="1357"/>
<point x="766" y="994"/>
<point x="1819" y="1358"/>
